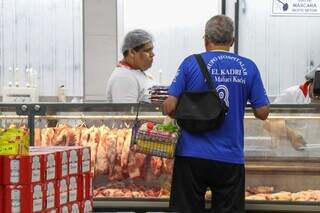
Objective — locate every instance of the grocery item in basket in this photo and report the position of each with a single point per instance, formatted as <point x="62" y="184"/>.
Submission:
<point x="156" y="139"/>
<point x="14" y="141"/>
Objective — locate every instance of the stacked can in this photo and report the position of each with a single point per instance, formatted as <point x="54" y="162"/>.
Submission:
<point x="49" y="179"/>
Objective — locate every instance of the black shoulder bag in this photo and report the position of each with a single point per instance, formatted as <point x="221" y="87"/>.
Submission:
<point x="201" y="111"/>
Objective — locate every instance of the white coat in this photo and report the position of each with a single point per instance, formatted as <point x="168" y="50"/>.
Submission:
<point x="292" y="95"/>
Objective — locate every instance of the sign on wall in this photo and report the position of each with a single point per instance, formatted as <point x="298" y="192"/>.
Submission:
<point x="296" y="7"/>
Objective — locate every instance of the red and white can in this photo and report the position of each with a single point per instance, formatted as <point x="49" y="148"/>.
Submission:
<point x="51" y="210"/>
<point x="62" y="163"/>
<point x="64" y="209"/>
<point x="62" y="192"/>
<point x="74" y="161"/>
<point x="49" y="162"/>
<point x="87" y="206"/>
<point x="12" y="198"/>
<point x="61" y="156"/>
<point x="50" y="194"/>
<point x="50" y="166"/>
<point x="73" y="157"/>
<point x="85" y="160"/>
<point x="75" y="207"/>
<point x="74" y="188"/>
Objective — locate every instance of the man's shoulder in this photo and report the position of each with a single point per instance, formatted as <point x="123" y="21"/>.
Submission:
<point x="247" y="60"/>
<point x="120" y="71"/>
<point x="189" y="59"/>
<point x="122" y="74"/>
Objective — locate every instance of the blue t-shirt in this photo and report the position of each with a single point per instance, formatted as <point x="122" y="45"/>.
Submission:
<point x="237" y="80"/>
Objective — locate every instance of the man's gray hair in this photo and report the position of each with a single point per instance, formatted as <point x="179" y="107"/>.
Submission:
<point x="219" y="29"/>
<point x="136" y="38"/>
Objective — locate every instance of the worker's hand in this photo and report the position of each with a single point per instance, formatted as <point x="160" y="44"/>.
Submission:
<point x="298" y="142"/>
<point x="276" y="127"/>
<point x="169" y="105"/>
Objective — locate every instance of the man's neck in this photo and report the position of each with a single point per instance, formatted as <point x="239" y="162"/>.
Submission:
<point x="127" y="62"/>
<point x="217" y="47"/>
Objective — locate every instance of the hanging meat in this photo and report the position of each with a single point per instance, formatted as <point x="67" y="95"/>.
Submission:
<point x="101" y="166"/>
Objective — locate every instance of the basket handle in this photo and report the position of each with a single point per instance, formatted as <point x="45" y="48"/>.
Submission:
<point x="137" y="115"/>
<point x="135" y="125"/>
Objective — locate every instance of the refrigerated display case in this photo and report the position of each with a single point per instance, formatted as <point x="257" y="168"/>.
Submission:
<point x="282" y="156"/>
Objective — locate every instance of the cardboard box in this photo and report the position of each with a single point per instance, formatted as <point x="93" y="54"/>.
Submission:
<point x="1" y="199"/>
<point x="23" y="198"/>
<point x="1" y="171"/>
<point x="50" y="194"/>
<point x="21" y="170"/>
<point x="14" y="141"/>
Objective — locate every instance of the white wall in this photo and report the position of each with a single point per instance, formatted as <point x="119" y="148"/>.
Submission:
<point x="100" y="39"/>
<point x="45" y="35"/>
<point x="177" y="26"/>
<point x="283" y="47"/>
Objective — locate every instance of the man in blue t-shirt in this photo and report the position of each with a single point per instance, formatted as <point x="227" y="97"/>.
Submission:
<point x="215" y="159"/>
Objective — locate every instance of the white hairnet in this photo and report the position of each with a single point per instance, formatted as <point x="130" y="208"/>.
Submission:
<point x="310" y="75"/>
<point x="136" y="38"/>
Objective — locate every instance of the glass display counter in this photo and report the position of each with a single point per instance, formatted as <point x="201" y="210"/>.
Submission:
<point x="282" y="155"/>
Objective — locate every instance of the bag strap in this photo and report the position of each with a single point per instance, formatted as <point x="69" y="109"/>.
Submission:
<point x="205" y="71"/>
<point x="207" y="76"/>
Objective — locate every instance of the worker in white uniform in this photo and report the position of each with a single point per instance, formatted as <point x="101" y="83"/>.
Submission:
<point x="299" y="94"/>
<point x="128" y="82"/>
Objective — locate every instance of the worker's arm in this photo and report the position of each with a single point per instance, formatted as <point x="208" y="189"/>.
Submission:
<point x="278" y="129"/>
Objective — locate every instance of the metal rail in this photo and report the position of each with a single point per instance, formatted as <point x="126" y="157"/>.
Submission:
<point x="130" y="117"/>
